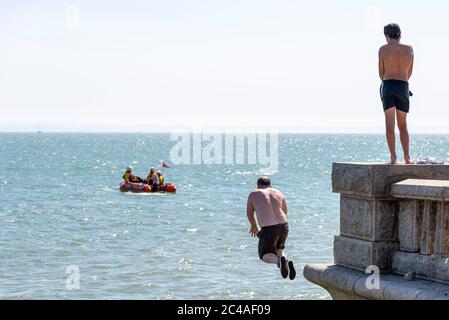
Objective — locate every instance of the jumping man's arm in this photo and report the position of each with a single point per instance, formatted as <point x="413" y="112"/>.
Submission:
<point x="381" y="65"/>
<point x="284" y="206"/>
<point x="250" y="215"/>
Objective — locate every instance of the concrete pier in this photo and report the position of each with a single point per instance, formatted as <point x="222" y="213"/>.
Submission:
<point x="394" y="219"/>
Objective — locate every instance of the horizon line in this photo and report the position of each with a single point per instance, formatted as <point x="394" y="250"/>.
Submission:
<point x="213" y="131"/>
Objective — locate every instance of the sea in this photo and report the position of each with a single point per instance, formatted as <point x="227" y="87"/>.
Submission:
<point x="67" y="232"/>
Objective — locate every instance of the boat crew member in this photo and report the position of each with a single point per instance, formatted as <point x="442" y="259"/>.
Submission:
<point x="153" y="179"/>
<point x="161" y="178"/>
<point x="129" y="177"/>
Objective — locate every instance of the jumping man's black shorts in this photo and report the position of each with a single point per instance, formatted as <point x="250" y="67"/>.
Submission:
<point x="272" y="238"/>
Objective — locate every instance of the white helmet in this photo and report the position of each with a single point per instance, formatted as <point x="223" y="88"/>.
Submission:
<point x="129" y="168"/>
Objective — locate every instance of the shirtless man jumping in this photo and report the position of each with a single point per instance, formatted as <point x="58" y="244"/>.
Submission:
<point x="395" y="69"/>
<point x="271" y="211"/>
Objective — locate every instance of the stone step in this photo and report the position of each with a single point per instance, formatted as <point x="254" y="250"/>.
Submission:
<point x="423" y="189"/>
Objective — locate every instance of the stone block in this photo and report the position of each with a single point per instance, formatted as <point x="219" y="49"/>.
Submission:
<point x="410" y="218"/>
<point x="368" y="218"/>
<point x="358" y="254"/>
<point x="374" y="180"/>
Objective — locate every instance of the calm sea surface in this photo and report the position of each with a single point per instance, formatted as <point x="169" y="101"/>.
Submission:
<point x="61" y="209"/>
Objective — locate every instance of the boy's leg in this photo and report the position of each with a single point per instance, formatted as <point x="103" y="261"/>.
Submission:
<point x="403" y="131"/>
<point x="390" y="121"/>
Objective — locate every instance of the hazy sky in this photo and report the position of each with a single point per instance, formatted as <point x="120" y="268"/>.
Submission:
<point x="294" y="65"/>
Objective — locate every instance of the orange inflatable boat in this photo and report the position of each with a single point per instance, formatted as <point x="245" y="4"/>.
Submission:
<point x="143" y="187"/>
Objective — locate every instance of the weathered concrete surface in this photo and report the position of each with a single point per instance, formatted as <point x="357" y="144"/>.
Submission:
<point x="371" y="219"/>
<point x="359" y="254"/>
<point x="435" y="190"/>
<point x="442" y="230"/>
<point x="428" y="228"/>
<point x="434" y="268"/>
<point x="374" y="180"/>
<point x="346" y="284"/>
<point x="424" y="227"/>
<point x="410" y="222"/>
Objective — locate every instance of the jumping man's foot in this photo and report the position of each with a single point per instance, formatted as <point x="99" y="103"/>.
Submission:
<point x="283" y="266"/>
<point x="409" y="161"/>
<point x="291" y="268"/>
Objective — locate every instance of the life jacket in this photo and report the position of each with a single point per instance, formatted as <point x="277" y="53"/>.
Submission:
<point x="127" y="176"/>
<point x="152" y="176"/>
<point x="161" y="179"/>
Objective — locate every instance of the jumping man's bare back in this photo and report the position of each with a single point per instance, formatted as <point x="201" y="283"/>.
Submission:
<point x="271" y="213"/>
<point x="270" y="206"/>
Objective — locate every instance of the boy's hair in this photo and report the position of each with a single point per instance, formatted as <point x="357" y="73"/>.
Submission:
<point x="392" y="31"/>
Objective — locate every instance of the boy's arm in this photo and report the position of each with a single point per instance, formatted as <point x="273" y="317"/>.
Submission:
<point x="411" y="65"/>
<point x="381" y="65"/>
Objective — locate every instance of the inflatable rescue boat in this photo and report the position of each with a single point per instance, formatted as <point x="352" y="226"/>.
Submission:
<point x="143" y="187"/>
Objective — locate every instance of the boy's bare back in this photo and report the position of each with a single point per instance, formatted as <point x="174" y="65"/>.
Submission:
<point x="396" y="62"/>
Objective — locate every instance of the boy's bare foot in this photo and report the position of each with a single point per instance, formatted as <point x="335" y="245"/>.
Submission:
<point x="393" y="160"/>
<point x="409" y="161"/>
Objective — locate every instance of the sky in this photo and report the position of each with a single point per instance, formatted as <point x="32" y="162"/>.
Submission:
<point x="291" y="66"/>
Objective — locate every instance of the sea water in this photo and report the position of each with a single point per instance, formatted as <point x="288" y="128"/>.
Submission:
<point x="67" y="232"/>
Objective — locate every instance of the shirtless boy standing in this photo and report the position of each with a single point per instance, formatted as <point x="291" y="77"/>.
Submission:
<point x="395" y="69"/>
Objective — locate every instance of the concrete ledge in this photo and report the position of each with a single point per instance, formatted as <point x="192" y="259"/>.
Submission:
<point x="374" y="179"/>
<point x="343" y="284"/>
<point x="433" y="268"/>
<point x="434" y="190"/>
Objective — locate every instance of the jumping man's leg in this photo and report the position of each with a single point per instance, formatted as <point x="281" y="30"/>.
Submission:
<point x="390" y="119"/>
<point x="290" y="268"/>
<point x="270" y="258"/>
<point x="280" y="253"/>
<point x="403" y="130"/>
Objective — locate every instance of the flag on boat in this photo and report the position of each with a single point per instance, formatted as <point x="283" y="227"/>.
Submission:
<point x="165" y="165"/>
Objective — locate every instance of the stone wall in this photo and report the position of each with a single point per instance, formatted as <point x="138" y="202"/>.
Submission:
<point x="394" y="217"/>
<point x="423" y="229"/>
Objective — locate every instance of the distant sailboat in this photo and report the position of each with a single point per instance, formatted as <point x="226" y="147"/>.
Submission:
<point x="39" y="130"/>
